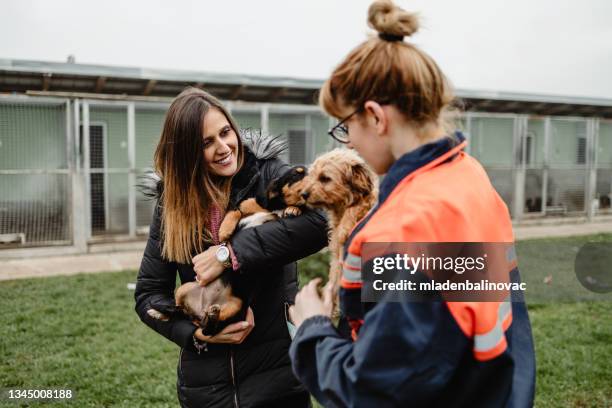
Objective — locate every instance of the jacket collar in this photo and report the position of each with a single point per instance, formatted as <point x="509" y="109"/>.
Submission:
<point x="257" y="148"/>
<point x="245" y="178"/>
<point x="415" y="159"/>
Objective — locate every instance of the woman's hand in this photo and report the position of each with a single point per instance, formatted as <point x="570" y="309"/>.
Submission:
<point x="235" y="333"/>
<point x="206" y="266"/>
<point x="308" y="303"/>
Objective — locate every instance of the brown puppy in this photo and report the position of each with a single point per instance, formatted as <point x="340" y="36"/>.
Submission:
<point x="208" y="306"/>
<point x="282" y="199"/>
<point x="342" y="184"/>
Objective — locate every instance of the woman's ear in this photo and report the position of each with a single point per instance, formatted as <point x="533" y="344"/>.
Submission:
<point x="378" y="116"/>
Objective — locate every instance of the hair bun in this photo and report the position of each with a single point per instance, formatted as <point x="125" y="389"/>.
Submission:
<point x="390" y="20"/>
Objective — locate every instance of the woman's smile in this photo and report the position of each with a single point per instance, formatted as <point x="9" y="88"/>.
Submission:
<point x="226" y="160"/>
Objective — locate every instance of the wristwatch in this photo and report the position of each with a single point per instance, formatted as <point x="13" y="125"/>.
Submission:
<point x="223" y="255"/>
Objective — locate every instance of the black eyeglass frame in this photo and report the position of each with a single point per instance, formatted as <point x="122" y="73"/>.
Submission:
<point x="340" y="126"/>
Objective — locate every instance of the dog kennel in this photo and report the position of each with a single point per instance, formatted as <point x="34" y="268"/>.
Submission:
<point x="74" y="140"/>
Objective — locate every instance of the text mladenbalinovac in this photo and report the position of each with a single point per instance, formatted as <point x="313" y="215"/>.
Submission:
<point x="482" y="285"/>
<point x="459" y="265"/>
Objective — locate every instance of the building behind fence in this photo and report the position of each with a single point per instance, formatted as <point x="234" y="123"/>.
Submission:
<point x="70" y="161"/>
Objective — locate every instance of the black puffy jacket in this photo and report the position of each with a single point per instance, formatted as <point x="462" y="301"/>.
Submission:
<point x="258" y="371"/>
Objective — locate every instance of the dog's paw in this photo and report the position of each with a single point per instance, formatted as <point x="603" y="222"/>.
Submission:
<point x="291" y="211"/>
<point x="225" y="234"/>
<point x="228" y="225"/>
<point x="157" y="315"/>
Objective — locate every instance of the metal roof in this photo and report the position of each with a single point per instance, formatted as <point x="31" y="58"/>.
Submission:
<point x="43" y="77"/>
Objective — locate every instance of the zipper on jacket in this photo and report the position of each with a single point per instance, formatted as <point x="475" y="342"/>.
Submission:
<point x="233" y="371"/>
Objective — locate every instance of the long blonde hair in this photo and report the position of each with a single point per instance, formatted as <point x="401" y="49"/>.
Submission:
<point x="189" y="189"/>
<point x="389" y="70"/>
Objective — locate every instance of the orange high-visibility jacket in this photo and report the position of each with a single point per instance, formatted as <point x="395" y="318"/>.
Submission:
<point x="435" y="352"/>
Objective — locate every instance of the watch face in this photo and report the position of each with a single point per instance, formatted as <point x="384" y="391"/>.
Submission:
<point x="222" y="254"/>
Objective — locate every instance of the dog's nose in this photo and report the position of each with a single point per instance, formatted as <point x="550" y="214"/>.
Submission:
<point x="305" y="195"/>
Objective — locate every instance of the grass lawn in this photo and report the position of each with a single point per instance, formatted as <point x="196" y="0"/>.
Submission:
<point x="81" y="332"/>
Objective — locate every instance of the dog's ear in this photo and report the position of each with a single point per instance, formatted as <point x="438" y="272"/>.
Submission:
<point x="274" y="189"/>
<point x="361" y="180"/>
<point x="300" y="171"/>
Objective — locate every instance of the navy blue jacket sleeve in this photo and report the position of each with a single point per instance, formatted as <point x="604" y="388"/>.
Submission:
<point x="397" y="357"/>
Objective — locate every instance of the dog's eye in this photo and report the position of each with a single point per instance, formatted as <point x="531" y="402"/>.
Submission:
<point x="324" y="179"/>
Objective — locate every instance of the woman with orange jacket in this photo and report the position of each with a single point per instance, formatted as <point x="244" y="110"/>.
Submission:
<point x="392" y="100"/>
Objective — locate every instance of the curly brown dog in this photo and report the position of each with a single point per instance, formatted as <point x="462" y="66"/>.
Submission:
<point x="342" y="184"/>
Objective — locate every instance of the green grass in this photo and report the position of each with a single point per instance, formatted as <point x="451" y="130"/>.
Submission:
<point x="554" y="258"/>
<point x="573" y="344"/>
<point x="81" y="332"/>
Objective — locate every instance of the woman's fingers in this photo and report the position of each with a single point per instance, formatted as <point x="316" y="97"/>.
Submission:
<point x="238" y="336"/>
<point x="328" y="296"/>
<point x="312" y="286"/>
<point x="207" y="272"/>
<point x="309" y="290"/>
<point x="204" y="256"/>
<point x="234" y="333"/>
<point x="250" y="317"/>
<point x="207" y="276"/>
<point x="235" y="328"/>
<point x="308" y="303"/>
<point x="246" y="333"/>
<point x="241" y="326"/>
<point x="206" y="266"/>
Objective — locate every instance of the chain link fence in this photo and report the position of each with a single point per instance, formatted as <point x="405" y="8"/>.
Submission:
<point x="69" y="168"/>
<point x="603" y="181"/>
<point x="492" y="143"/>
<point x="34" y="173"/>
<point x="541" y="166"/>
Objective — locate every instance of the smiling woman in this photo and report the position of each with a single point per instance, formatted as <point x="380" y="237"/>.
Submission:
<point x="220" y="144"/>
<point x="196" y="123"/>
<point x="206" y="169"/>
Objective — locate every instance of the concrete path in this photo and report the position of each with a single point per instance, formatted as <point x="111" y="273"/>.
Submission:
<point x="69" y="265"/>
<point x="565" y="230"/>
<point x="129" y="258"/>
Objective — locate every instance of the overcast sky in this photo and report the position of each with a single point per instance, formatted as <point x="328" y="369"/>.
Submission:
<point x="536" y="46"/>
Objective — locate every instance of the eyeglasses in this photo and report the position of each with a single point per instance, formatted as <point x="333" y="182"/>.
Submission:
<point x="340" y="131"/>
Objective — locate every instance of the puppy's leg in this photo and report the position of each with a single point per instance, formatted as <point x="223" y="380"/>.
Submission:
<point x="230" y="308"/>
<point x="232" y="218"/>
<point x="291" y="211"/>
<point x="250" y="206"/>
<point x="228" y="225"/>
<point x="335" y="271"/>
<point x="157" y="315"/>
